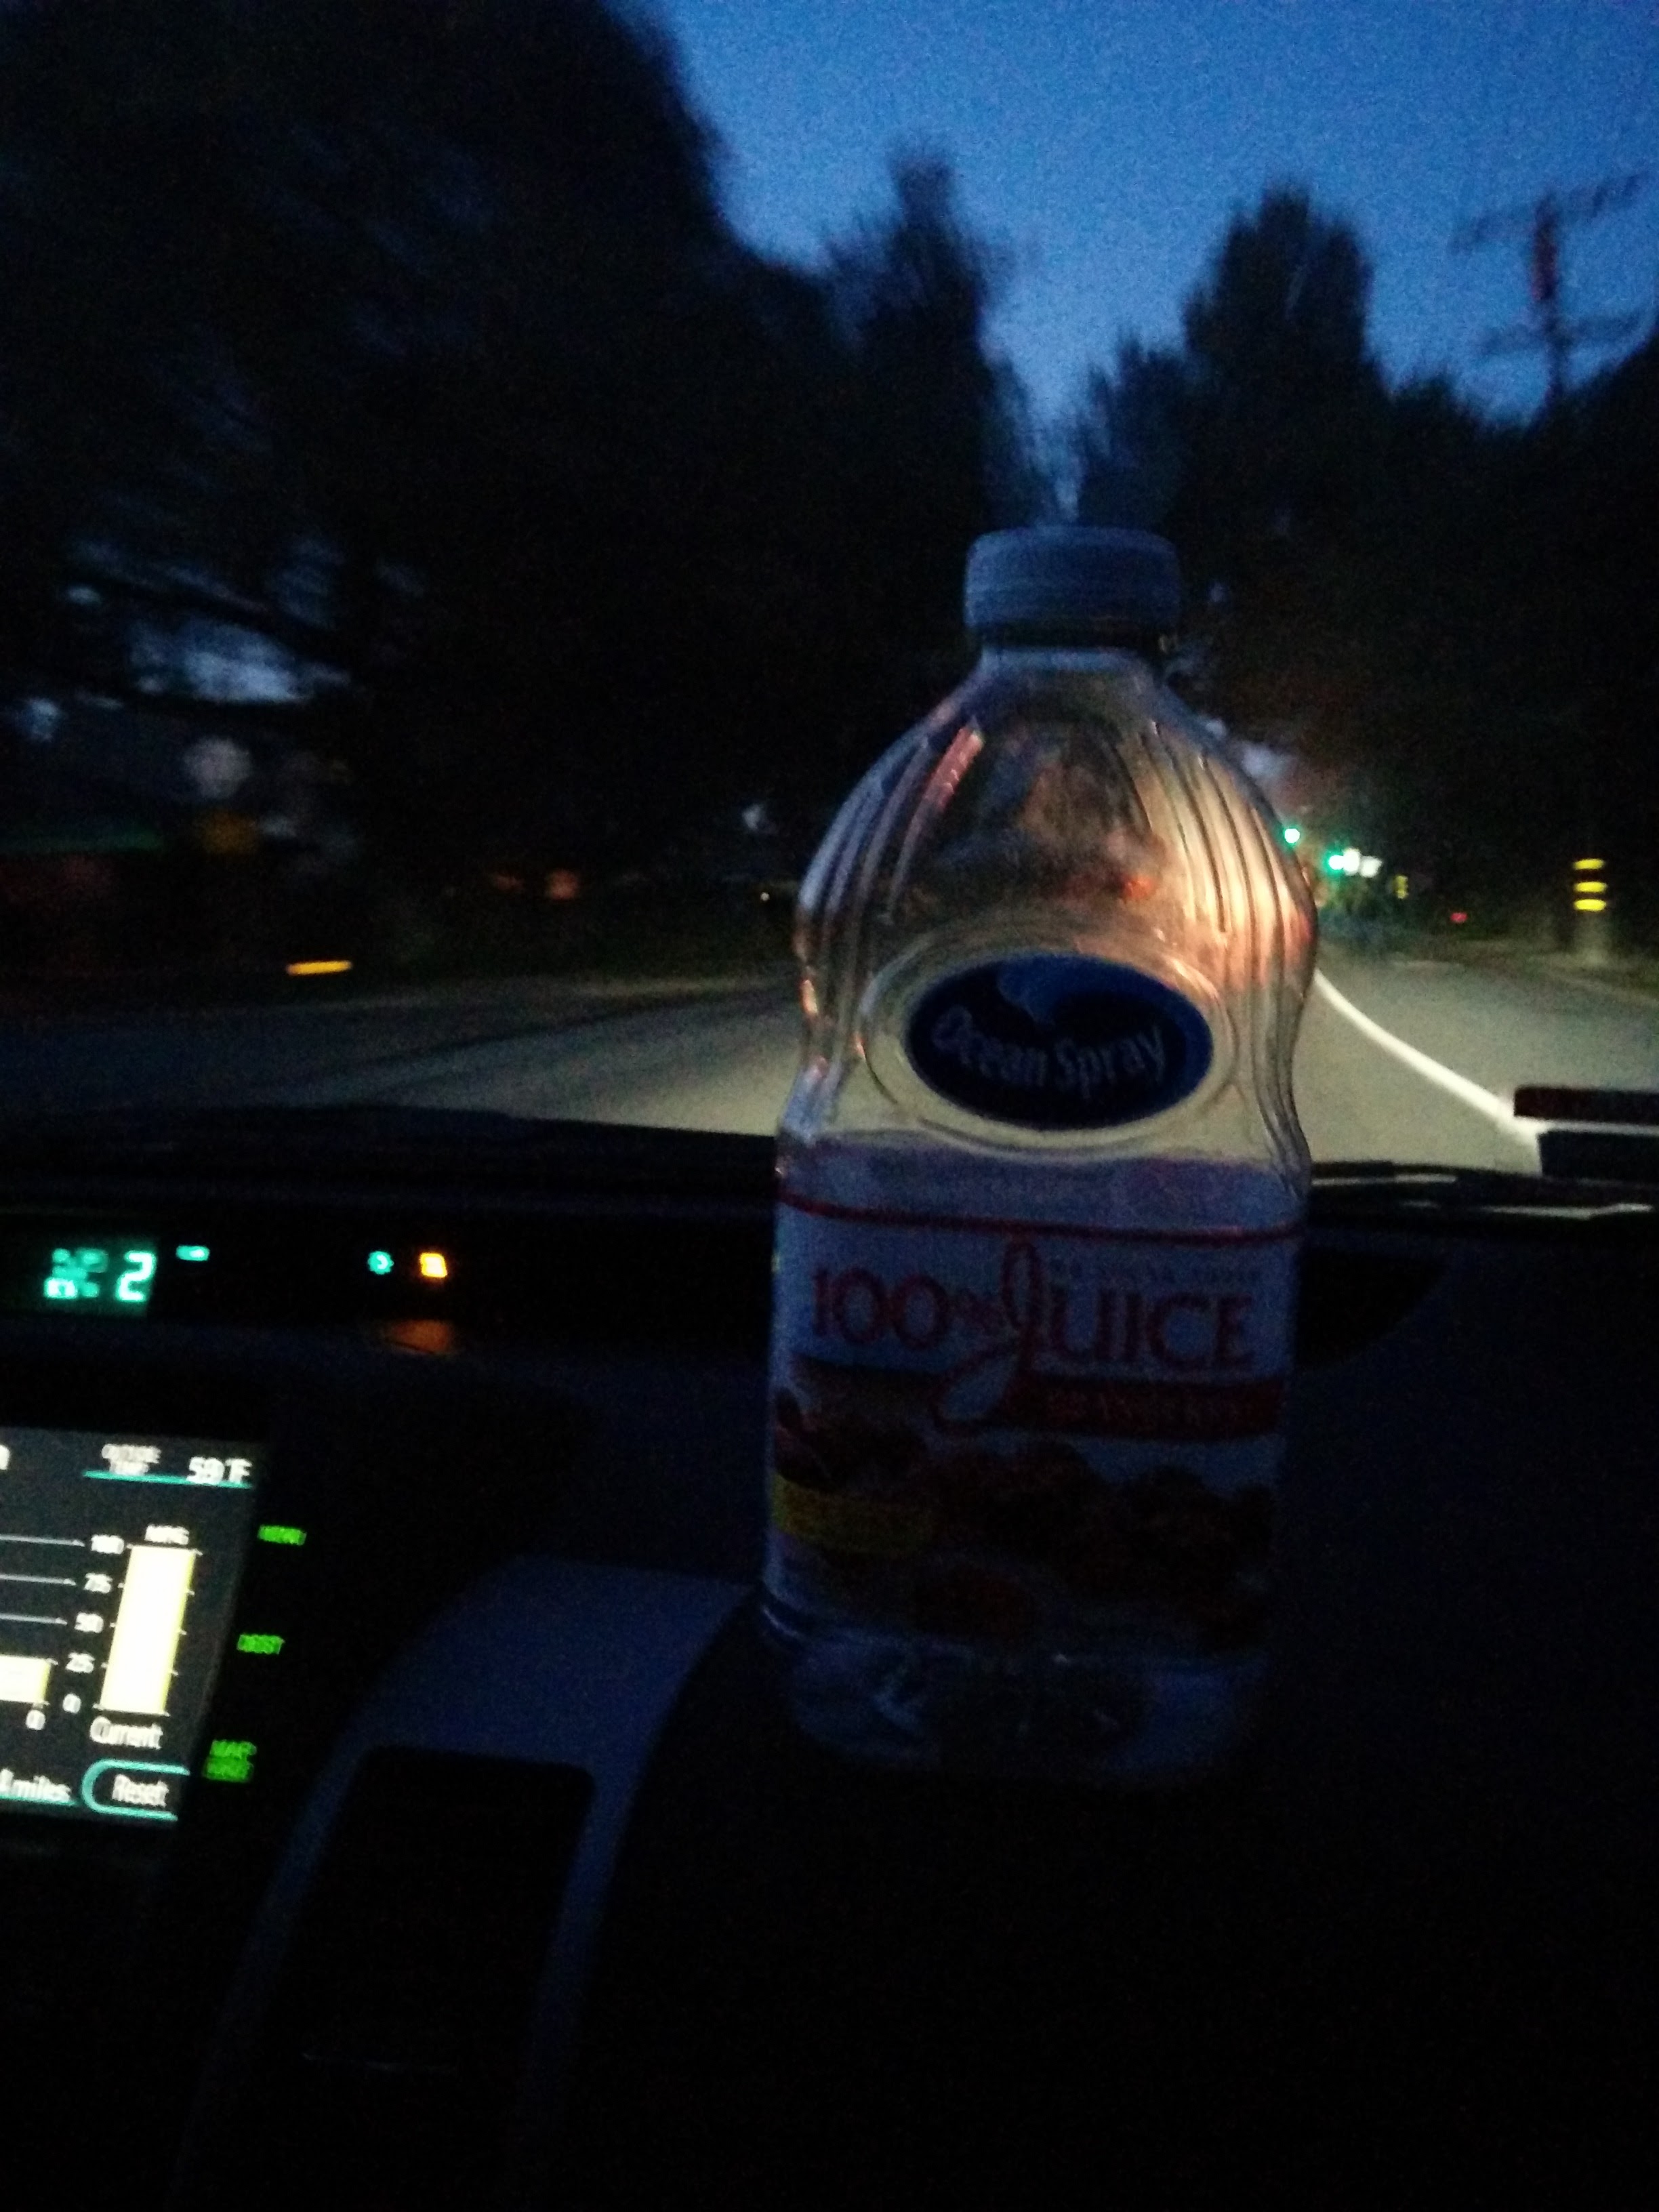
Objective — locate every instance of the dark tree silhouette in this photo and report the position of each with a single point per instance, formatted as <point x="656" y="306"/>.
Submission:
<point x="937" y="445"/>
<point x="1449" y="612"/>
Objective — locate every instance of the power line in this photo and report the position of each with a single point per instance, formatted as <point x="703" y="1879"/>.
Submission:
<point x="1499" y="93"/>
<point x="1550" y="330"/>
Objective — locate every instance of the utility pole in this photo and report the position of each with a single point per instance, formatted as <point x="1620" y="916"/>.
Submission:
<point x="1549" y="328"/>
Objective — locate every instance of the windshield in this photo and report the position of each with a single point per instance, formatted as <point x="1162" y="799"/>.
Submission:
<point x="483" y="482"/>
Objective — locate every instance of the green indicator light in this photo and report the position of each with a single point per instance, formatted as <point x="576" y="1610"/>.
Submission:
<point x="228" y="1761"/>
<point x="266" y="1647"/>
<point x="273" y="1532"/>
<point x="1291" y="834"/>
<point x="190" y="1252"/>
<point x="379" y="1263"/>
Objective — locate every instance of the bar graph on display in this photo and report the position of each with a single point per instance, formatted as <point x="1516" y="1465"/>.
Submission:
<point x="149" y="1623"/>
<point x="119" y="1557"/>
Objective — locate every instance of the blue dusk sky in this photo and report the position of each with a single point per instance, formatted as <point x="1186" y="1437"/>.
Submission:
<point x="1105" y="142"/>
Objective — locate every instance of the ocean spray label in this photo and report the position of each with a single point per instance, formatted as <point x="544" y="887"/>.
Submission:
<point x="1058" y="1040"/>
<point x="992" y="1430"/>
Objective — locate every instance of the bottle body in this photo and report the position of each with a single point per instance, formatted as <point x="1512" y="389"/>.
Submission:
<point x="1041" y="1184"/>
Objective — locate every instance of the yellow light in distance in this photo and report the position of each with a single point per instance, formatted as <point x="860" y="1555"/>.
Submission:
<point x="1589" y="890"/>
<point x="1589" y="906"/>
<point x="434" y="1266"/>
<point x="319" y="967"/>
<point x="1589" y="863"/>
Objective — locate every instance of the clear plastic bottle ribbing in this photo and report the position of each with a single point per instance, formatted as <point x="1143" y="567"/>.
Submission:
<point x="1061" y="801"/>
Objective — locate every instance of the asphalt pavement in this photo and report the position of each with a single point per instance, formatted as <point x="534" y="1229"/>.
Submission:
<point x="1411" y="1060"/>
<point x="1402" y="1059"/>
<point x="268" y="1053"/>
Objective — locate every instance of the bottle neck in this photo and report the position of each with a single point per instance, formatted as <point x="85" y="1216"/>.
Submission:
<point x="1016" y="659"/>
<point x="1069" y="648"/>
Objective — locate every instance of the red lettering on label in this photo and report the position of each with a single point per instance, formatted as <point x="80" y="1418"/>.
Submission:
<point x="979" y="1316"/>
<point x="858" y="1328"/>
<point x="921" y="1312"/>
<point x="1033" y="1317"/>
<point x="1105" y="1324"/>
<point x="1188" y="1413"/>
<point x="1078" y="1354"/>
<point x="1158" y="1328"/>
<point x="1231" y="1348"/>
<point x="1130" y="1352"/>
<point x="1021" y="1290"/>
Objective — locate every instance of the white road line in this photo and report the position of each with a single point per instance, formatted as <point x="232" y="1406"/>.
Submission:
<point x="1498" y="1111"/>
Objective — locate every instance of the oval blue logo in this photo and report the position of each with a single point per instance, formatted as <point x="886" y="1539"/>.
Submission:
<point x="1057" y="1041"/>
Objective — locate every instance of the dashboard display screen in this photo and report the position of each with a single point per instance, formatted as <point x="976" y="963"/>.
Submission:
<point x="94" y="1273"/>
<point x="116" y="1277"/>
<point x="119" y="1557"/>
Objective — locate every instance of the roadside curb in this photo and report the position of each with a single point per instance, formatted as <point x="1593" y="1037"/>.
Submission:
<point x="1632" y="982"/>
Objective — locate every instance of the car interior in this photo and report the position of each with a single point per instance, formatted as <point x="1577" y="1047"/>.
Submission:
<point x="475" y="1861"/>
<point x="482" y="485"/>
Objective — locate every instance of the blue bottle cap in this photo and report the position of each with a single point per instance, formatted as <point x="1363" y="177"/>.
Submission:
<point x="1069" y="577"/>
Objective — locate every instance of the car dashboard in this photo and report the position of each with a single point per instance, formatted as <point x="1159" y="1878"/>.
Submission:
<point x="395" y="1808"/>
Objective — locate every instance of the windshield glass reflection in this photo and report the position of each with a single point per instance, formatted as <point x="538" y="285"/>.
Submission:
<point x="483" y="484"/>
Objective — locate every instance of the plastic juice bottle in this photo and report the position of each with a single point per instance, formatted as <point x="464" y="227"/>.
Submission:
<point x="1041" y="1193"/>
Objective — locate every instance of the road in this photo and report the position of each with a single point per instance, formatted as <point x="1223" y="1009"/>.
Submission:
<point x="1404" y="1060"/>
<point x="250" y="1055"/>
<point x="1399" y="1058"/>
